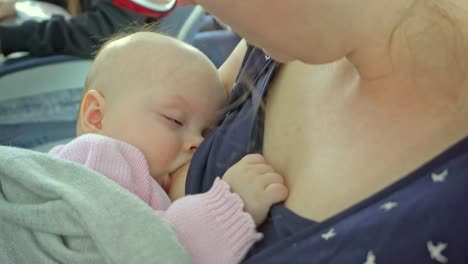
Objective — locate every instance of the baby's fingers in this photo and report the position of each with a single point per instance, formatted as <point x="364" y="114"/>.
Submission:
<point x="253" y="159"/>
<point x="269" y="178"/>
<point x="275" y="193"/>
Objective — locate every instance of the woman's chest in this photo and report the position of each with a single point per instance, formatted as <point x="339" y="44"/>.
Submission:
<point x="352" y="170"/>
<point x="335" y="148"/>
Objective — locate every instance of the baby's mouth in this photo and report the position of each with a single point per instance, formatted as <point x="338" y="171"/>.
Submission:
<point x="167" y="184"/>
<point x="168" y="181"/>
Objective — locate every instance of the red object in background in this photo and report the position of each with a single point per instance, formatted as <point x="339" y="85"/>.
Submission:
<point x="140" y="9"/>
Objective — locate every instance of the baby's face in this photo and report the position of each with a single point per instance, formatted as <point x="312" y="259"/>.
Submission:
<point x="167" y="114"/>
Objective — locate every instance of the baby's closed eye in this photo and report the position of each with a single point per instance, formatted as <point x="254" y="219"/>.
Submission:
<point x="173" y="121"/>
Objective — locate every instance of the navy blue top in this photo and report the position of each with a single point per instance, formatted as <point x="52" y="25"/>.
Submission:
<point x="422" y="218"/>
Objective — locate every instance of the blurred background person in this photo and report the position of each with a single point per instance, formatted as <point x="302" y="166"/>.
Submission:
<point x="80" y="34"/>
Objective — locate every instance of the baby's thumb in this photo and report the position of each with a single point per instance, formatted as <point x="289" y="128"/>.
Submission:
<point x="276" y="192"/>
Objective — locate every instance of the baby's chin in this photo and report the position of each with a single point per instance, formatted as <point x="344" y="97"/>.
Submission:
<point x="164" y="181"/>
<point x="177" y="187"/>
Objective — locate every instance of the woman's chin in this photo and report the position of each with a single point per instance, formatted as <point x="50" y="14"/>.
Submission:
<point x="278" y="57"/>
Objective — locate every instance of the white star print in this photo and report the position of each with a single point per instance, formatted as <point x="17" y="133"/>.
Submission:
<point x="389" y="206"/>
<point x="331" y="233"/>
<point x="436" y="251"/>
<point x="370" y="258"/>
<point x="440" y="177"/>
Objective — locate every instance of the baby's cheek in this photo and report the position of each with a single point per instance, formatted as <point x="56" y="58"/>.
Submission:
<point x="158" y="164"/>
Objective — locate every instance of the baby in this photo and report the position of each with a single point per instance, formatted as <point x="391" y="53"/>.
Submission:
<point x="149" y="100"/>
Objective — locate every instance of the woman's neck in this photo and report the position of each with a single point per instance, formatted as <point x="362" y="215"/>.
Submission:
<point x="424" y="55"/>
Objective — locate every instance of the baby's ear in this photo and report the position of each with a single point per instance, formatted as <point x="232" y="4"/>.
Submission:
<point x="91" y="112"/>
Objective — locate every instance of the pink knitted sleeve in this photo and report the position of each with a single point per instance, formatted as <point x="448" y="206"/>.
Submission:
<point x="213" y="226"/>
<point x="118" y="161"/>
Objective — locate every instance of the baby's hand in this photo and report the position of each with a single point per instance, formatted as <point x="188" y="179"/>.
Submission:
<point x="257" y="184"/>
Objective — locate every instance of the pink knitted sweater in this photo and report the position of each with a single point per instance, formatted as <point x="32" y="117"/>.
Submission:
<point x="212" y="226"/>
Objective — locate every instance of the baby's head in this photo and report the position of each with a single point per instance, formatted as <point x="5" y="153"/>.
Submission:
<point x="155" y="93"/>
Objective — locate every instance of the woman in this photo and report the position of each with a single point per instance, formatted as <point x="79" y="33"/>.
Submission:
<point x="365" y="118"/>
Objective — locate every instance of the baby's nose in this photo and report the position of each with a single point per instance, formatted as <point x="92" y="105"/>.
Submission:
<point x="194" y="142"/>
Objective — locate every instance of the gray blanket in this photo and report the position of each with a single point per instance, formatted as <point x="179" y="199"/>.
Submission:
<point x="55" y="211"/>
